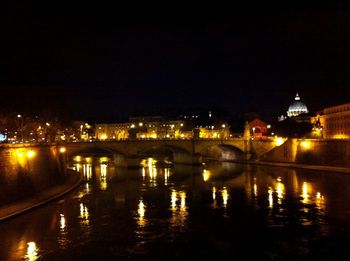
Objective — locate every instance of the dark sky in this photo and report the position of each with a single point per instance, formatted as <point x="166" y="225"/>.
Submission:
<point x="108" y="62"/>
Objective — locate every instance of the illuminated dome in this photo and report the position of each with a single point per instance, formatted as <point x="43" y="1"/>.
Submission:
<point x="297" y="107"/>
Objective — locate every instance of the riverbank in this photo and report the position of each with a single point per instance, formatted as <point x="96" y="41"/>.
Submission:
<point x="20" y="207"/>
<point x="296" y="165"/>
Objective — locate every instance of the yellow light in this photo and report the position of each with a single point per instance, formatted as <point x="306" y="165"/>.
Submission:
<point x="30" y="154"/>
<point x="255" y="188"/>
<point x="270" y="197"/>
<point x="305" y="144"/>
<point x="84" y="215"/>
<point x="224" y="195"/>
<point x="140" y="124"/>
<point x="279" y="141"/>
<point x="214" y="193"/>
<point x="77" y="158"/>
<point x="182" y="199"/>
<point x="103" y="136"/>
<point x="280" y="190"/>
<point x="103" y="183"/>
<point x="206" y="175"/>
<point x="32" y="252"/>
<point x="173" y="200"/>
<point x="341" y="136"/>
<point x="62" y="222"/>
<point x="62" y="150"/>
<point x="306" y="192"/>
<point x="166" y="176"/>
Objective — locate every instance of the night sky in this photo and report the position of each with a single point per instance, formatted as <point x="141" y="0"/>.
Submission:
<point x="102" y="62"/>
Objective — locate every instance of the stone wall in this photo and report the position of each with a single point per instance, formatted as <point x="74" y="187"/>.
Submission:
<point x="312" y="151"/>
<point x="27" y="170"/>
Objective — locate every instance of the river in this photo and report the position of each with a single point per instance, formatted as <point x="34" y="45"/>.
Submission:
<point x="164" y="212"/>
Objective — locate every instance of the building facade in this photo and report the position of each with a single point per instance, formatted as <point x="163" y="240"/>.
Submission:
<point x="334" y="122"/>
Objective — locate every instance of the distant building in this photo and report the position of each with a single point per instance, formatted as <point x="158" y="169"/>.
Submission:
<point x="258" y="128"/>
<point x="334" y="122"/>
<point x="153" y="127"/>
<point x="297" y="107"/>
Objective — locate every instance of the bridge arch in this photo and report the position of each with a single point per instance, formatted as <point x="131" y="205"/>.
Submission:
<point x="224" y="152"/>
<point x="170" y="152"/>
<point x="95" y="152"/>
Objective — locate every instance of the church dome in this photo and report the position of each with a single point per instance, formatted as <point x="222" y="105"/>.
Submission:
<point x="297" y="107"/>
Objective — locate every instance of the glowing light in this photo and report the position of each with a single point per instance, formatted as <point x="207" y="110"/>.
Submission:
<point x="223" y="125"/>
<point x="84" y="214"/>
<point x="140" y="124"/>
<point x="320" y="200"/>
<point x="62" y="150"/>
<point x="143" y="173"/>
<point x="87" y="171"/>
<point x="255" y="188"/>
<point x="224" y="195"/>
<point x="62" y="222"/>
<point x="19" y="115"/>
<point x="206" y="175"/>
<point x="77" y="158"/>
<point x="305" y="144"/>
<point x="214" y="193"/>
<point x="340" y="136"/>
<point x="166" y="176"/>
<point x="103" y="136"/>
<point x="305" y="192"/>
<point x="173" y="199"/>
<point x="132" y="126"/>
<point x="30" y="154"/>
<point x="279" y="141"/>
<point x="280" y="191"/>
<point x="32" y="252"/>
<point x="141" y="213"/>
<point x="182" y="199"/>
<point x="270" y="198"/>
<point x="103" y="183"/>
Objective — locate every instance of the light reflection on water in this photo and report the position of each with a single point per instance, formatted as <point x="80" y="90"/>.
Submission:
<point x="162" y="205"/>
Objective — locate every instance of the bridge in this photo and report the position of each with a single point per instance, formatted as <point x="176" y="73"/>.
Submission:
<point x="181" y="151"/>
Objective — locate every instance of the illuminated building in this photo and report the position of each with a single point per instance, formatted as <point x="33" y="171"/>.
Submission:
<point x="154" y="127"/>
<point x="297" y="107"/>
<point x="334" y="122"/>
<point x="113" y="131"/>
<point x="258" y="128"/>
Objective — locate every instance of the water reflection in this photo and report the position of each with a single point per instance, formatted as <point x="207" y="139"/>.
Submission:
<point x="224" y="195"/>
<point x="32" y="252"/>
<point x="175" y="205"/>
<point x="84" y="215"/>
<point x="280" y="190"/>
<point x="103" y="178"/>
<point x="63" y="240"/>
<point x="153" y="172"/>
<point x="178" y="208"/>
<point x="141" y="220"/>
<point x="206" y="174"/>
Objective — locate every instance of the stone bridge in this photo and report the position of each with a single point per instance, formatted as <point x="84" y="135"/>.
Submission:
<point x="181" y="151"/>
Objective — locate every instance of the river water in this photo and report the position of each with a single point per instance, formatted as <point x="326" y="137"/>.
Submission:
<point x="161" y="212"/>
